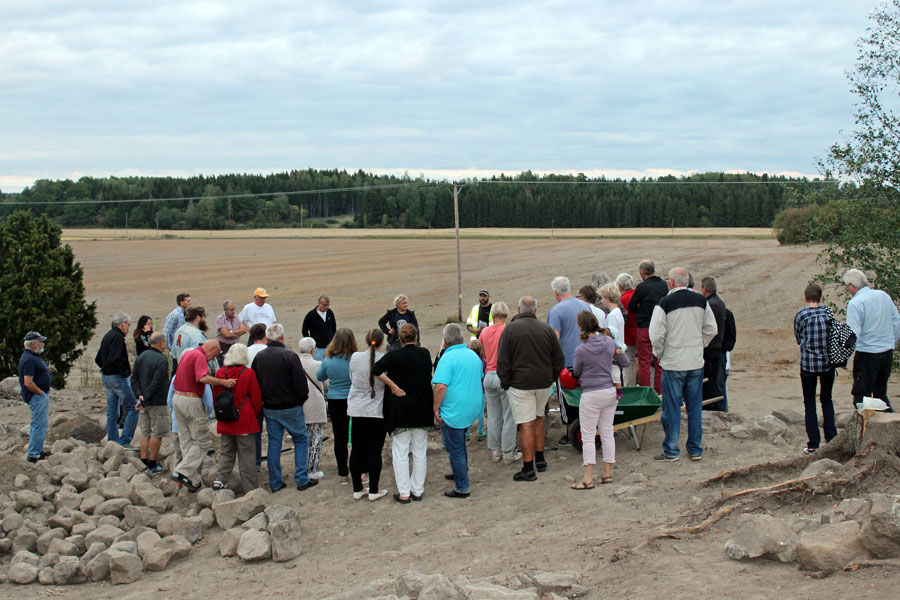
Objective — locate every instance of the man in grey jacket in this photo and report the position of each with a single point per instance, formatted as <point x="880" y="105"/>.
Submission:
<point x="682" y="325"/>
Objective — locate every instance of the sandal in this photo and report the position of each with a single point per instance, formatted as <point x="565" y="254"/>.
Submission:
<point x="581" y="485"/>
<point x="607" y="480"/>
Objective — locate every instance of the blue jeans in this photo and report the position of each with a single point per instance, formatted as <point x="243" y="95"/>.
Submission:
<point x="40" y="408"/>
<point x="686" y="387"/>
<point x="319" y="353"/>
<point x="118" y="391"/>
<point x="455" y="445"/>
<point x="292" y="420"/>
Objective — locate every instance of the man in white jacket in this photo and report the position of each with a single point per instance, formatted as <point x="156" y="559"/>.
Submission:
<point x="682" y="325"/>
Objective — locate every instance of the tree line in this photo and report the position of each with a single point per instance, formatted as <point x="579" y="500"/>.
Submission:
<point x="295" y="198"/>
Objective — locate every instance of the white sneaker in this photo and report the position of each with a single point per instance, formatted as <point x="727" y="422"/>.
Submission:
<point x="317" y="475"/>
<point x="496" y="455"/>
<point x="359" y="495"/>
<point x="511" y="458"/>
<point x="377" y="495"/>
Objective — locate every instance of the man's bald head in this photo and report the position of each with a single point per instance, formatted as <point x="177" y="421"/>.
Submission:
<point x="211" y="349"/>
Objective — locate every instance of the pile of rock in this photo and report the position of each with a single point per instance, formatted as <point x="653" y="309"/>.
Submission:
<point x="91" y="515"/>
<point x="414" y="585"/>
<point x="856" y="529"/>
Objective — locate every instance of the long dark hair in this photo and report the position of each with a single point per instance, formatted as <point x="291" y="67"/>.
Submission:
<point x="140" y="327"/>
<point x="374" y="339"/>
<point x="589" y="325"/>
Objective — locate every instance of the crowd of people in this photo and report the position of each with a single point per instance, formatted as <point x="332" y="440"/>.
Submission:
<point x="591" y="347"/>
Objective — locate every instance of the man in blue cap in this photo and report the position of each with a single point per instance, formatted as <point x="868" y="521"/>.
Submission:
<point x="34" y="378"/>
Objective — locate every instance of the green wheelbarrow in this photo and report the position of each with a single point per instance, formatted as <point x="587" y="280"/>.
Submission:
<point x="638" y="406"/>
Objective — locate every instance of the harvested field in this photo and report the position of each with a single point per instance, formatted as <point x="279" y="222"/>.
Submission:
<point x="505" y="527"/>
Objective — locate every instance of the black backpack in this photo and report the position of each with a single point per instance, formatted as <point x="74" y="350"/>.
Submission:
<point x="224" y="405"/>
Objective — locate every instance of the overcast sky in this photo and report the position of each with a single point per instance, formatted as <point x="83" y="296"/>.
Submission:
<point x="446" y="89"/>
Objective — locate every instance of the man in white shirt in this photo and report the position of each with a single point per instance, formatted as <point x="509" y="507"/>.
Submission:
<point x="257" y="311"/>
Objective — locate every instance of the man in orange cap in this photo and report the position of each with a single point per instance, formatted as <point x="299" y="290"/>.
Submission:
<point x="258" y="311"/>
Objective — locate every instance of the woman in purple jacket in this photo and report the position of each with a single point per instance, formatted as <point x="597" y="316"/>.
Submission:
<point x="593" y="368"/>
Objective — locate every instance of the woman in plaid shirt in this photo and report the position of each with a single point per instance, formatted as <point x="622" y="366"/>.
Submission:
<point x="811" y="332"/>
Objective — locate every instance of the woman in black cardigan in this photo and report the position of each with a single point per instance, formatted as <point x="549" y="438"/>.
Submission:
<point x="408" y="410"/>
<point x="394" y="319"/>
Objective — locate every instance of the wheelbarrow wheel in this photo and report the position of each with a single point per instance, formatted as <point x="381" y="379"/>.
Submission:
<point x="574" y="433"/>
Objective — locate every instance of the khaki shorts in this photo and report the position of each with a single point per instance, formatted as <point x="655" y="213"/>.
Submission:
<point x="526" y="405"/>
<point x="155" y="421"/>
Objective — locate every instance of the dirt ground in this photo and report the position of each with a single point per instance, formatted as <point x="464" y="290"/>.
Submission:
<point x="506" y="527"/>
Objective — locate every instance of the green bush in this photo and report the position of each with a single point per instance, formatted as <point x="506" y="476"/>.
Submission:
<point x="792" y="225"/>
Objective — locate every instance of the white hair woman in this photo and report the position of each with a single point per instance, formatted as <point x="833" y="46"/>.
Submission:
<point x="394" y="319"/>
<point x="237" y="438"/>
<point x="625" y="283"/>
<point x="314" y="407"/>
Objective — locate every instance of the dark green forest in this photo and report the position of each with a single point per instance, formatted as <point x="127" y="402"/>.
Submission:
<point x="308" y="197"/>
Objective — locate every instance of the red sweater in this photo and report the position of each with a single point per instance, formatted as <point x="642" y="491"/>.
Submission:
<point x="246" y="385"/>
<point x="631" y="321"/>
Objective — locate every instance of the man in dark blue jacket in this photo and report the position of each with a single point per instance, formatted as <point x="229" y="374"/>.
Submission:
<point x="34" y="377"/>
<point x="112" y="358"/>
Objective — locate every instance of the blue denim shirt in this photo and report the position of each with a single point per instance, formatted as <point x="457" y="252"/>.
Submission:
<point x="873" y="317"/>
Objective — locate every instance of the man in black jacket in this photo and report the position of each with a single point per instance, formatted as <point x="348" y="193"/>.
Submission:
<point x="714" y="354"/>
<point x="320" y="325"/>
<point x="150" y="383"/>
<point x="112" y="358"/>
<point x="529" y="359"/>
<point x="646" y="296"/>
<point x="284" y="390"/>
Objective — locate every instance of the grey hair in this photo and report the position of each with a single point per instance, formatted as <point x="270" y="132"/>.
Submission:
<point x="647" y="266"/>
<point x="561" y="285"/>
<point x="453" y="334"/>
<point x="306" y="345"/>
<point x="528" y="304"/>
<point x="499" y="309"/>
<point x="680" y="276"/>
<point x="157" y="337"/>
<point x="29" y="345"/>
<point x="856" y="278"/>
<point x="599" y="279"/>
<point x="237" y="355"/>
<point x="709" y="284"/>
<point x="325" y="298"/>
<point x="625" y="281"/>
<point x="120" y="318"/>
<point x="275" y="331"/>
<point x="225" y="305"/>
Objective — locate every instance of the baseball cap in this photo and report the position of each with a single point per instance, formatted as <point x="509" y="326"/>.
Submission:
<point x="484" y="291"/>
<point x="261" y="292"/>
<point x="34" y="335"/>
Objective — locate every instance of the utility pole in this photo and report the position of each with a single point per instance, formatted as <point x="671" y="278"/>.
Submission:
<point x="126" y="224"/>
<point x="157" y="223"/>
<point x="456" y="189"/>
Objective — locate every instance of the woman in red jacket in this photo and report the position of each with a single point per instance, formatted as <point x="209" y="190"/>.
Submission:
<point x="238" y="437"/>
<point x="626" y="287"/>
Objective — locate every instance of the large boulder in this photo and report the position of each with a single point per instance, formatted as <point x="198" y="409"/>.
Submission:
<point x="228" y="545"/>
<point x="98" y="567"/>
<point x="10" y="388"/>
<point x="254" y="545"/>
<point x="136" y="516"/>
<point x="24" y="556"/>
<point x="881" y="531"/>
<point x="158" y="559"/>
<point x="191" y="527"/>
<point x="115" y="507"/>
<point x="234" y="512"/>
<point x="81" y="428"/>
<point x="113" y="487"/>
<point x="22" y="573"/>
<point x="147" y="494"/>
<point x="28" y="499"/>
<point x="284" y="529"/>
<point x="178" y="543"/>
<point x="146" y="541"/>
<point x="831" y="547"/>
<point x="762" y="536"/>
<point x="124" y="567"/>
<point x="104" y="534"/>
<point x="43" y="541"/>
<point x="69" y="571"/>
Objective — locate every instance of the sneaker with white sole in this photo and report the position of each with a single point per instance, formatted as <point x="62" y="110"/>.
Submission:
<point x="808" y="450"/>
<point x="218" y="485"/>
<point x="377" y="495"/>
<point x="317" y="475"/>
<point x="496" y="455"/>
<point x="511" y="458"/>
<point x="664" y="457"/>
<point x="696" y="457"/>
<point x="359" y="495"/>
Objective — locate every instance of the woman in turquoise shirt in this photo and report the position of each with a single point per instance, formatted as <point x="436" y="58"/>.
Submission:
<point x="336" y="370"/>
